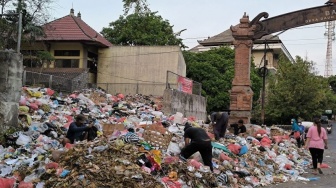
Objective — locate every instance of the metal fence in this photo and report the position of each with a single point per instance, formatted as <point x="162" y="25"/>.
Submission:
<point x="54" y="82"/>
<point x="172" y="82"/>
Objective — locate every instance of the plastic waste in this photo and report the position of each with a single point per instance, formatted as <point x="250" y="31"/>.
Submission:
<point x="64" y="173"/>
<point x="23" y="140"/>
<point x="40" y="185"/>
<point x="313" y="178"/>
<point x="5" y="170"/>
<point x="178" y="118"/>
<point x="100" y="148"/>
<point x="30" y="177"/>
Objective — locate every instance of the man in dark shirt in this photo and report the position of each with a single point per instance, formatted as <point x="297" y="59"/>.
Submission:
<point x="240" y="129"/>
<point x="77" y="130"/>
<point x="197" y="140"/>
<point x="219" y="121"/>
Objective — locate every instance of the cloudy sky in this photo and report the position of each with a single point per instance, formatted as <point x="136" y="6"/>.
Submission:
<point x="203" y="18"/>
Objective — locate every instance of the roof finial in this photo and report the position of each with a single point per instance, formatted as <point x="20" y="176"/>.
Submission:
<point x="72" y="12"/>
<point x="79" y="15"/>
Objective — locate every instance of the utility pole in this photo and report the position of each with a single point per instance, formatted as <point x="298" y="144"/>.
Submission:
<point x="263" y="73"/>
<point x="19" y="27"/>
<point x="19" y="32"/>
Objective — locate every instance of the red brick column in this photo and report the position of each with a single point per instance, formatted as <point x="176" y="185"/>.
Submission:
<point x="241" y="93"/>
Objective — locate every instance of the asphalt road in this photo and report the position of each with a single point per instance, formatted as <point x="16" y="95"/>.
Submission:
<point x="328" y="179"/>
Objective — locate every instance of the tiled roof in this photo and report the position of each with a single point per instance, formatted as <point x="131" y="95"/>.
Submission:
<point x="72" y="28"/>
<point x="226" y="38"/>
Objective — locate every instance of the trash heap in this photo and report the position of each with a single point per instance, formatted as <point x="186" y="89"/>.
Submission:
<point x="33" y="156"/>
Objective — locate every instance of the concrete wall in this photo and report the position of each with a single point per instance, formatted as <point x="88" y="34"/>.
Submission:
<point x="138" y="68"/>
<point x="10" y="88"/>
<point x="189" y="105"/>
<point x="258" y="59"/>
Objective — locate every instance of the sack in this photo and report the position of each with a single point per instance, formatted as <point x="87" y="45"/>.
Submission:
<point x="297" y="134"/>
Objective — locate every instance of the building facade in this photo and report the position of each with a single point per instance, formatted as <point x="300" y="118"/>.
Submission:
<point x="72" y="43"/>
<point x="274" y="48"/>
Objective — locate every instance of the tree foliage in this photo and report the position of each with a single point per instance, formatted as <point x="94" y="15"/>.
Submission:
<point x="140" y="6"/>
<point x="34" y="14"/>
<point x="141" y="28"/>
<point x="215" y="70"/>
<point x="294" y="91"/>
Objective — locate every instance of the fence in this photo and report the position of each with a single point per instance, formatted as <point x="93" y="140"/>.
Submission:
<point x="54" y="82"/>
<point x="175" y="81"/>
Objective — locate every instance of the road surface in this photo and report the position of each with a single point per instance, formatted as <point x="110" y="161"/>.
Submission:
<point x="328" y="179"/>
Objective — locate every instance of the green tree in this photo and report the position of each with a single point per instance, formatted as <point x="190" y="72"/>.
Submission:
<point x="139" y="6"/>
<point x="141" y="28"/>
<point x="34" y="14"/>
<point x="145" y="29"/>
<point x="294" y="91"/>
<point x="215" y="70"/>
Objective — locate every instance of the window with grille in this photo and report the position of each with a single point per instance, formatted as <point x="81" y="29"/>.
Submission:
<point x="66" y="53"/>
<point x="67" y="63"/>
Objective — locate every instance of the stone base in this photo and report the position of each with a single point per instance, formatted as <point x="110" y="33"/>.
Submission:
<point x="237" y="115"/>
<point x="240" y="104"/>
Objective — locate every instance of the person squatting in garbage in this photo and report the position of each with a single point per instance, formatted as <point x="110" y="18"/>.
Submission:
<point x="77" y="130"/>
<point x="197" y="140"/>
<point x="317" y="142"/>
<point x="219" y="121"/>
<point x="240" y="129"/>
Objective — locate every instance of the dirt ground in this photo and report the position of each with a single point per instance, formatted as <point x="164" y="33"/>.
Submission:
<point x="327" y="179"/>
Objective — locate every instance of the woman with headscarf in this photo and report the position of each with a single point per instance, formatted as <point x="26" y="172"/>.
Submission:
<point x="317" y="142"/>
<point x="296" y="131"/>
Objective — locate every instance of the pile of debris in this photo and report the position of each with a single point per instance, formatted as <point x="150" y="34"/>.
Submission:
<point x="35" y="157"/>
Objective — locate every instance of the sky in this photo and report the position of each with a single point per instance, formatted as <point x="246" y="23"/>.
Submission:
<point x="206" y="18"/>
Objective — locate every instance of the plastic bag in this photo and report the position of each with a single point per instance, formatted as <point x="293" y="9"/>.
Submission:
<point x="323" y="165"/>
<point x="7" y="182"/>
<point x="234" y="148"/>
<point x="224" y="157"/>
<point x="174" y="148"/>
<point x="52" y="165"/>
<point x="23" y="140"/>
<point x="265" y="142"/>
<point x="33" y="106"/>
<point x="296" y="134"/>
<point x="243" y="150"/>
<point x="195" y="164"/>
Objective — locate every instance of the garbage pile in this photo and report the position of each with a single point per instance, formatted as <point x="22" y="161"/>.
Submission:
<point x="33" y="155"/>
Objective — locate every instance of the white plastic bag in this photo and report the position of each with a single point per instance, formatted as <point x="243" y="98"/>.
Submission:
<point x="23" y="140"/>
<point x="174" y="148"/>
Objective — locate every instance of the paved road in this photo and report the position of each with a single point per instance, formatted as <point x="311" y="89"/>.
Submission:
<point x="328" y="179"/>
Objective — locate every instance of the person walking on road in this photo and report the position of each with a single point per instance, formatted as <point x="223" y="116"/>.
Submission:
<point x="316" y="143"/>
<point x="219" y="121"/>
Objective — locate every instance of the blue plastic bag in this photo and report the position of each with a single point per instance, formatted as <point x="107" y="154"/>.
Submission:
<point x="243" y="150"/>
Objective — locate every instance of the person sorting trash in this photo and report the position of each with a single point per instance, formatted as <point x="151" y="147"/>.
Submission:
<point x="240" y="129"/>
<point x="197" y="140"/>
<point x="219" y="121"/>
<point x="77" y="130"/>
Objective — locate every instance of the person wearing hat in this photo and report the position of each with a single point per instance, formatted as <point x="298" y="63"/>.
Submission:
<point x="77" y="130"/>
<point x="219" y="121"/>
<point x="197" y="140"/>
